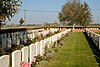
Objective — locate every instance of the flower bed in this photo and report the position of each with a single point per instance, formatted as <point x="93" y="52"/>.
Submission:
<point x="25" y="64"/>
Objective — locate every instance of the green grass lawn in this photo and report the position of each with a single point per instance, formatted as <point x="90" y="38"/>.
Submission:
<point x="97" y="32"/>
<point x="75" y="53"/>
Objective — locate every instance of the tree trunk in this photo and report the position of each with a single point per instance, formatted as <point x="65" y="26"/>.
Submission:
<point x="73" y="26"/>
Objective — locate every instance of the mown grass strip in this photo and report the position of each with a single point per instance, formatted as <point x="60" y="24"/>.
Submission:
<point x="75" y="53"/>
<point x="97" y="32"/>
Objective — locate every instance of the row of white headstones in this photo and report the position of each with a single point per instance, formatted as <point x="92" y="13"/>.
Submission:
<point x="33" y="50"/>
<point x="43" y="32"/>
<point x="94" y="36"/>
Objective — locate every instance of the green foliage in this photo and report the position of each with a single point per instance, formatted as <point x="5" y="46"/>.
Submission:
<point x="16" y="47"/>
<point x="20" y="46"/>
<point x="97" y="33"/>
<point x="8" y="8"/>
<point x="39" y="58"/>
<point x="34" y="40"/>
<point x="33" y="64"/>
<point x="21" y="21"/>
<point x="75" y="13"/>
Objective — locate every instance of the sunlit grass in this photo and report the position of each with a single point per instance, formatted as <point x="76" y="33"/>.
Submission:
<point x="97" y="32"/>
<point x="75" y="53"/>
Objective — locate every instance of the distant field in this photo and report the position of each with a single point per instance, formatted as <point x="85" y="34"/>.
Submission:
<point x="43" y="26"/>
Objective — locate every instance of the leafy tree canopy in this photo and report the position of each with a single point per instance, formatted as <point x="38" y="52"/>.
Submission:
<point x="8" y="8"/>
<point x="21" y="21"/>
<point x="75" y="13"/>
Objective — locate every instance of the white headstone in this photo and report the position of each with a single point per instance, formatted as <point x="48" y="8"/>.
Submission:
<point x="41" y="47"/>
<point x="4" y="61"/>
<point x="99" y="42"/>
<point x="43" y="44"/>
<point x="16" y="58"/>
<point x="32" y="52"/>
<point x="25" y="54"/>
<point x="37" y="48"/>
<point x="33" y="35"/>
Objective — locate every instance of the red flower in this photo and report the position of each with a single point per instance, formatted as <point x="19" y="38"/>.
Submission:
<point x="25" y="64"/>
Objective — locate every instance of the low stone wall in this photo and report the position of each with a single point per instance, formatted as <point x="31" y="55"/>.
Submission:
<point x="78" y="30"/>
<point x="83" y="29"/>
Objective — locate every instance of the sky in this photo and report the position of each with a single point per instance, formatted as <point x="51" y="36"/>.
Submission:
<point x="33" y="17"/>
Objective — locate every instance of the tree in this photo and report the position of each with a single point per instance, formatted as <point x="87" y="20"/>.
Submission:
<point x="8" y="8"/>
<point x="75" y="13"/>
<point x="21" y="21"/>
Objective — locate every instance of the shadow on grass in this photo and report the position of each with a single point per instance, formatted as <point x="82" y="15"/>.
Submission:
<point x="94" y="49"/>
